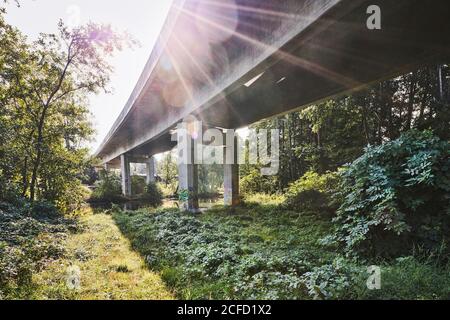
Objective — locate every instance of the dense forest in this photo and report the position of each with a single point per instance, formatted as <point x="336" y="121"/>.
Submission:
<point x="327" y="136"/>
<point x="364" y="180"/>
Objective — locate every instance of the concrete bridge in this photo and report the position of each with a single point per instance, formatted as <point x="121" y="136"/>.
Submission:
<point x="231" y="63"/>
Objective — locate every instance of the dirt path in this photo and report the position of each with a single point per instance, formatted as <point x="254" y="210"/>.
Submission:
<point x="100" y="265"/>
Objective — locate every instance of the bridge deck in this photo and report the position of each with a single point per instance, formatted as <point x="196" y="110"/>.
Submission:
<point x="234" y="62"/>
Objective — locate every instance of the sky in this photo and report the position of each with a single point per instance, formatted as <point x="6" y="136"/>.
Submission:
<point x="143" y="19"/>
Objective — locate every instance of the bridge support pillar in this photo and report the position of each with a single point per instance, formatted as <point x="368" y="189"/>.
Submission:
<point x="151" y="170"/>
<point x="231" y="171"/>
<point x="126" y="175"/>
<point x="188" y="177"/>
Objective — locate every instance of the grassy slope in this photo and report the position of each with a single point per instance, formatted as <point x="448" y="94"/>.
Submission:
<point x="109" y="269"/>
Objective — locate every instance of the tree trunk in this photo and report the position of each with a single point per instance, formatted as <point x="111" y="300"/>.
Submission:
<point x="365" y="124"/>
<point x="37" y="162"/>
<point x="25" y="177"/>
<point x="412" y="94"/>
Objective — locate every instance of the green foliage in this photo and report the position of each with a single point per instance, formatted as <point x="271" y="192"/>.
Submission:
<point x="168" y="171"/>
<point x="263" y="198"/>
<point x="210" y="180"/>
<point x="328" y="135"/>
<point x="312" y="192"/>
<point x="396" y="195"/>
<point x="153" y="195"/>
<point x="30" y="236"/>
<point x="168" y="191"/>
<point x="44" y="118"/>
<point x="257" y="253"/>
<point x="405" y="278"/>
<point x="72" y="199"/>
<point x="264" y="252"/>
<point x="412" y="278"/>
<point x="138" y="185"/>
<point x="255" y="182"/>
<point x="108" y="188"/>
<point x="337" y="280"/>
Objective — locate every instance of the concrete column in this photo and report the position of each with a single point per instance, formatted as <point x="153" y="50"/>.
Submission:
<point x="188" y="177"/>
<point x="151" y="170"/>
<point x="231" y="171"/>
<point x="126" y="175"/>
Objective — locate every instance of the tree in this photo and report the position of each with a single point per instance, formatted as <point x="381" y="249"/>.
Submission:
<point x="44" y="119"/>
<point x="61" y="74"/>
<point x="47" y="89"/>
<point x="167" y="169"/>
<point x="326" y="136"/>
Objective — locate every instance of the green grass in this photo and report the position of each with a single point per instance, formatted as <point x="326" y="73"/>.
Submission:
<point x="110" y="270"/>
<point x="265" y="252"/>
<point x="257" y="251"/>
<point x="251" y="252"/>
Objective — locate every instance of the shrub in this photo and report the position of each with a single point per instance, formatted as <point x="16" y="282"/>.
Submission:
<point x="337" y="280"/>
<point x="30" y="236"/>
<point x="255" y="182"/>
<point x="263" y="198"/>
<point x="8" y="191"/>
<point x="259" y="254"/>
<point x="138" y="185"/>
<point x="411" y="278"/>
<point x="153" y="195"/>
<point x="312" y="192"/>
<point x="396" y="195"/>
<point x="73" y="199"/>
<point x="222" y="256"/>
<point x="108" y="188"/>
<point x="43" y="209"/>
<point x="169" y="190"/>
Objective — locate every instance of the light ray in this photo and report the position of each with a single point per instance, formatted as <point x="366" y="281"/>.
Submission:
<point x="297" y="61"/>
<point x="179" y="73"/>
<point x="253" y="9"/>
<point x="205" y="74"/>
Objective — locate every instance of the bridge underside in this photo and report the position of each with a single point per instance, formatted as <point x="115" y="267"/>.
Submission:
<point x="279" y="58"/>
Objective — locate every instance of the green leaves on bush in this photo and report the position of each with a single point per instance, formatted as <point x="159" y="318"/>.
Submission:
<point x="224" y="257"/>
<point x="396" y="195"/>
<point x="333" y="281"/>
<point x="312" y="192"/>
<point x="108" y="188"/>
<point x="255" y="182"/>
<point x="30" y="235"/>
<point x="138" y="185"/>
<point x="153" y="195"/>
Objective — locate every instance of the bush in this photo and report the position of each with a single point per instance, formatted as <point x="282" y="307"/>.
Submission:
<point x="396" y="196"/>
<point x="405" y="278"/>
<point x="337" y="280"/>
<point x="30" y="236"/>
<point x="153" y="195"/>
<point x="8" y="191"/>
<point x="73" y="199"/>
<point x="412" y="278"/>
<point x="263" y="198"/>
<point x="138" y="185"/>
<point x="168" y="191"/>
<point x="108" y="188"/>
<point x="255" y="182"/>
<point x="312" y="192"/>
<point x="222" y="256"/>
<point x="265" y="253"/>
